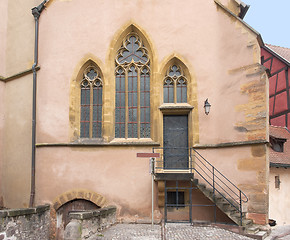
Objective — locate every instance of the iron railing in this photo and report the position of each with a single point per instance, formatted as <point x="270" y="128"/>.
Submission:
<point x="191" y="161"/>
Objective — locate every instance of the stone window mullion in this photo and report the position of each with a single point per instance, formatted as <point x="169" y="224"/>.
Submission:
<point x="91" y="109"/>
<point x="126" y="103"/>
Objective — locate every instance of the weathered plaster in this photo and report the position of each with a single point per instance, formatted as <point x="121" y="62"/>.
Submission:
<point x="3" y="34"/>
<point x="249" y="171"/>
<point x="20" y="36"/>
<point x="16" y="152"/>
<point x="113" y="172"/>
<point x="277" y="207"/>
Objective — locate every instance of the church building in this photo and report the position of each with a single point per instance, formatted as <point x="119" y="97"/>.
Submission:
<point x="86" y="85"/>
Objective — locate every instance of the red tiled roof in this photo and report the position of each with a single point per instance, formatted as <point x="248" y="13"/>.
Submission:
<point x="280" y="158"/>
<point x="282" y="51"/>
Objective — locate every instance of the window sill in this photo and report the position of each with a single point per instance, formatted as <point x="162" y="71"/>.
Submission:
<point x="177" y="108"/>
<point x="134" y="141"/>
<point x="101" y="142"/>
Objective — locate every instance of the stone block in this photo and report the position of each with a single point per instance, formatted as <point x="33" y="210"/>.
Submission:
<point x="56" y="205"/>
<point x="73" y="231"/>
<point x="20" y="211"/>
<point x="258" y="151"/>
<point x="3" y="213"/>
<point x="42" y="208"/>
<point x="258" y="218"/>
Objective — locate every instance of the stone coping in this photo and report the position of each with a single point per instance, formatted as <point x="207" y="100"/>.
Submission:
<point x="81" y="215"/>
<point x="23" y="211"/>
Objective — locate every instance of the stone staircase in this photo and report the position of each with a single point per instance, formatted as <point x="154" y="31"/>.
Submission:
<point x="231" y="209"/>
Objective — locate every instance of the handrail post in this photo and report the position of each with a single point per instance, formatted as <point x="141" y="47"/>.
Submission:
<point x="190" y="159"/>
<point x="213" y="186"/>
<point x="241" y="210"/>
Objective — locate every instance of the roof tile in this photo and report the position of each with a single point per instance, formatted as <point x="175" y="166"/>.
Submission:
<point x="282" y="51"/>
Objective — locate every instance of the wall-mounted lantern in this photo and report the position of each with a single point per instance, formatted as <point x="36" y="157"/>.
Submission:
<point x="206" y="107"/>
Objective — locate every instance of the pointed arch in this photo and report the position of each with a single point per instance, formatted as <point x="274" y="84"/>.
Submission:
<point x="178" y="81"/>
<point x="187" y="73"/>
<point x="175" y="85"/>
<point x="86" y="101"/>
<point x="132" y="58"/>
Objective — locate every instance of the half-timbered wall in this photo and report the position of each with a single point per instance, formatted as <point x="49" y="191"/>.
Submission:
<point x="279" y="102"/>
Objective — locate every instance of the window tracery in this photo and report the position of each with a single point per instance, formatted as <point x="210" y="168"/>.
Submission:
<point x="132" y="79"/>
<point x="175" y="85"/>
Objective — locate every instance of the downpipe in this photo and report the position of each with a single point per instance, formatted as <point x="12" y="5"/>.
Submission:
<point x="36" y="11"/>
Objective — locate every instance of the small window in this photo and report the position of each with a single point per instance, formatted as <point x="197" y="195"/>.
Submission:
<point x="277" y="144"/>
<point x="277" y="182"/>
<point x="175" y="199"/>
<point x="175" y="85"/>
<point x="91" y="104"/>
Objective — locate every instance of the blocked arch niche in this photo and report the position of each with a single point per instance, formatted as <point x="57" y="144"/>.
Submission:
<point x="88" y="195"/>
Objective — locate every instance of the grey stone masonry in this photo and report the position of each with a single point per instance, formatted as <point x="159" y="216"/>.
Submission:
<point x="25" y="223"/>
<point x="84" y="224"/>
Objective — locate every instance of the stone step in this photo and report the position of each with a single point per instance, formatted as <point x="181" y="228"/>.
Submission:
<point x="201" y="186"/>
<point x="247" y="222"/>
<point x="235" y="214"/>
<point x="262" y="234"/>
<point x="252" y="229"/>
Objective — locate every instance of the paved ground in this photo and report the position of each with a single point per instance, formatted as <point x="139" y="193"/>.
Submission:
<point x="279" y="233"/>
<point x="172" y="231"/>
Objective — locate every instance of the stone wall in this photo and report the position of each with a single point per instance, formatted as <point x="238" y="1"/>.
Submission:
<point x="85" y="224"/>
<point x="26" y="223"/>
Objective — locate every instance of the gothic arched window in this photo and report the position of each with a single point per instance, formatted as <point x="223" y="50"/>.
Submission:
<point x="175" y="85"/>
<point x="132" y="75"/>
<point x="91" y="103"/>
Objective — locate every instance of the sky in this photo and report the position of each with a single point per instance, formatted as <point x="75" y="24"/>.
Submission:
<point x="271" y="18"/>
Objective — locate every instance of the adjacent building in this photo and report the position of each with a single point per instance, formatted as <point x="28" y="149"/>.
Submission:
<point x="277" y="60"/>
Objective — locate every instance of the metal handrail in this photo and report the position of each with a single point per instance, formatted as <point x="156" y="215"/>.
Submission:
<point x="223" y="180"/>
<point x="213" y="177"/>
<point x="223" y="176"/>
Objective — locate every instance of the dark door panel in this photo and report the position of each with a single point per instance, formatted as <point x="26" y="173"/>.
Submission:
<point x="175" y="141"/>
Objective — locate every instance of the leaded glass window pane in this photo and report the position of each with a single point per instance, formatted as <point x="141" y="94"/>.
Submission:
<point x="168" y="91"/>
<point x="85" y="112"/>
<point x="175" y="85"/>
<point x="181" y="91"/>
<point x="91" y="104"/>
<point x="132" y="76"/>
<point x="97" y="112"/>
<point x="120" y="104"/>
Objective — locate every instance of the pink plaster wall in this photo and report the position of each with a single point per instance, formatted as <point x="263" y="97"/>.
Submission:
<point x="16" y="154"/>
<point x="224" y="158"/>
<point x="71" y="29"/>
<point x="114" y="173"/>
<point x="211" y="44"/>
<point x="20" y="36"/>
<point x="3" y="31"/>
<point x="209" y="41"/>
